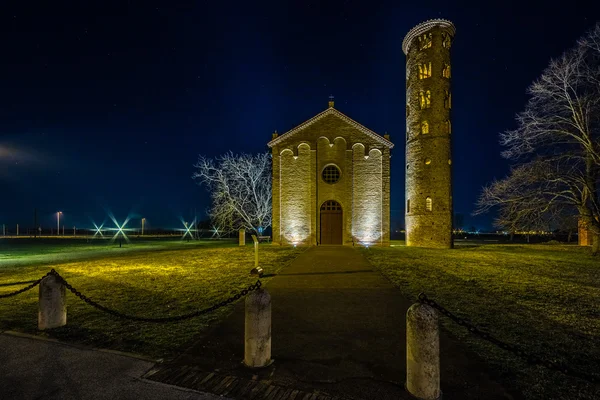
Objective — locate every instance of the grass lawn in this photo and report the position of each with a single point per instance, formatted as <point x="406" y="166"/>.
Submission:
<point x="27" y="251"/>
<point x="147" y="283"/>
<point x="545" y="298"/>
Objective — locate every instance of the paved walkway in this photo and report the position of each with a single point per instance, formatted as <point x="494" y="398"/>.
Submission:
<point x="31" y="368"/>
<point x="338" y="328"/>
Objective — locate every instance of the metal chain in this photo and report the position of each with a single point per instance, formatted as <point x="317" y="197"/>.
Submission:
<point x="529" y="357"/>
<point x="177" y="318"/>
<point x="33" y="284"/>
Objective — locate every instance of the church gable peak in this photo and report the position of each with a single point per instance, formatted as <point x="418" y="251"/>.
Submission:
<point x="330" y="112"/>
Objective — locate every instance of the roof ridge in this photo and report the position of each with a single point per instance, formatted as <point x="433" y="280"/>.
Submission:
<point x="338" y="114"/>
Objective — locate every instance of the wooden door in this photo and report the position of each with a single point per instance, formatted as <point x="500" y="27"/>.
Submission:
<point x="331" y="223"/>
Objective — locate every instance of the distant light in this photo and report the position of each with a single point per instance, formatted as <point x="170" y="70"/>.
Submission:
<point x="189" y="228"/>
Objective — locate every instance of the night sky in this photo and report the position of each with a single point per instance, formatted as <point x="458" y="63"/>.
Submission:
<point x="105" y="107"/>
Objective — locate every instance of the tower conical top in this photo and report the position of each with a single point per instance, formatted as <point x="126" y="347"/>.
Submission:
<point x="424" y="27"/>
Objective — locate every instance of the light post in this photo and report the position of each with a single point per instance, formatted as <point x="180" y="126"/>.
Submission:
<point x="143" y="222"/>
<point x="58" y="222"/>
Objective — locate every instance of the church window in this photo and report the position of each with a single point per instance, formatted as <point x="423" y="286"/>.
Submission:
<point x="449" y="162"/>
<point x="428" y="204"/>
<point x="424" y="127"/>
<point x="407" y="111"/>
<point x="448" y="100"/>
<point x="427" y="161"/>
<point x="425" y="41"/>
<point x="331" y="174"/>
<point x="446" y="71"/>
<point x="446" y="41"/>
<point x="448" y="126"/>
<point x="408" y="206"/>
<point x="425" y="99"/>
<point x="331" y="205"/>
<point x="425" y="71"/>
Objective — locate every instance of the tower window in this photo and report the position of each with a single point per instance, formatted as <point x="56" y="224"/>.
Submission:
<point x="407" y="111"/>
<point x="424" y="70"/>
<point x="448" y="126"/>
<point x="427" y="161"/>
<point x="424" y="127"/>
<point x="408" y="206"/>
<point x="448" y="100"/>
<point x="446" y="41"/>
<point x="425" y="99"/>
<point x="425" y="41"/>
<point x="446" y="71"/>
<point x="428" y="204"/>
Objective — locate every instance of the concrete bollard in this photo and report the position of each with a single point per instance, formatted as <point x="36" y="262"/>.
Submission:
<point x="423" y="352"/>
<point x="257" y="332"/>
<point x="53" y="303"/>
<point x="242" y="237"/>
<point x="255" y="240"/>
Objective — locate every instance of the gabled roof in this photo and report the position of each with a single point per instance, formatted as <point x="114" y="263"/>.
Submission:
<point x="336" y="113"/>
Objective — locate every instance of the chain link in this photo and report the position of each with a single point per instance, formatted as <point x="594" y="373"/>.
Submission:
<point x="31" y="286"/>
<point x="529" y="357"/>
<point x="177" y="318"/>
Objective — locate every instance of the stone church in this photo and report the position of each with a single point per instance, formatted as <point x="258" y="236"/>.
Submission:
<point x="331" y="175"/>
<point x="331" y="183"/>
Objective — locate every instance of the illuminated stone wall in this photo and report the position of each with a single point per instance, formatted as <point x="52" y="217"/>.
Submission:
<point x="368" y="224"/>
<point x="428" y="201"/>
<point x="362" y="190"/>
<point x="584" y="236"/>
<point x="296" y="195"/>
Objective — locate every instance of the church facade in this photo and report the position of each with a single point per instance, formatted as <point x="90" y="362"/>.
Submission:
<point x="331" y="183"/>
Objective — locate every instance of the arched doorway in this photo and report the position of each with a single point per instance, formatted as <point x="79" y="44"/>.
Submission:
<point x="331" y="222"/>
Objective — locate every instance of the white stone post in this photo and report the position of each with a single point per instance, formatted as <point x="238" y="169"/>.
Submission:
<point x="53" y="304"/>
<point x="423" y="352"/>
<point x="257" y="349"/>
<point x="242" y="237"/>
<point x="255" y="240"/>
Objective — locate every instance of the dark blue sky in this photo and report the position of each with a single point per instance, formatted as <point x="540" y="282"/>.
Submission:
<point x="106" y="106"/>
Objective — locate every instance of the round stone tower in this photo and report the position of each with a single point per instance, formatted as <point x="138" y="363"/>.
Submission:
<point x="428" y="134"/>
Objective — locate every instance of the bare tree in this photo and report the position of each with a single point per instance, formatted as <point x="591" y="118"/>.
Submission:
<point x="556" y="145"/>
<point x="240" y="187"/>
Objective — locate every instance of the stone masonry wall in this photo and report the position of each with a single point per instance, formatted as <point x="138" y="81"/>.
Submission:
<point x="295" y="196"/>
<point x="368" y="196"/>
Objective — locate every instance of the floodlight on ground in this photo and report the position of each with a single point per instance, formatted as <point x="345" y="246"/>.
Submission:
<point x="257" y="271"/>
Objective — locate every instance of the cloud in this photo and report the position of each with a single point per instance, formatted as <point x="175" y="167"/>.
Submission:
<point x="15" y="160"/>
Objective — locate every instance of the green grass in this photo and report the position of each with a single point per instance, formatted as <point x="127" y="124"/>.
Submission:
<point x="18" y="249"/>
<point x="545" y="298"/>
<point x="146" y="283"/>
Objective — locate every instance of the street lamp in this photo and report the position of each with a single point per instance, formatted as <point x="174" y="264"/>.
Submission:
<point x="58" y="222"/>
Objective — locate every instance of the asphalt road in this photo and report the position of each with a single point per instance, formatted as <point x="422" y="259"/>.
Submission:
<point x="32" y="368"/>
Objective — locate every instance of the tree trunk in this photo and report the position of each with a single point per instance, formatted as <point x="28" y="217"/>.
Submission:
<point x="569" y="237"/>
